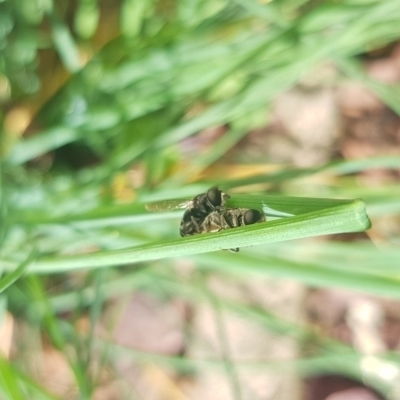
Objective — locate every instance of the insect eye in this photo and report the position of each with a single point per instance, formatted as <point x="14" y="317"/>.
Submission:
<point x="251" y="217"/>
<point x="214" y="197"/>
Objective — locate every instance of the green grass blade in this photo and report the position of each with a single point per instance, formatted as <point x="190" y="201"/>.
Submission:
<point x="3" y="208"/>
<point x="381" y="200"/>
<point x="13" y="276"/>
<point x="280" y="206"/>
<point x="362" y="257"/>
<point x="9" y="381"/>
<point x="344" y="218"/>
<point x="64" y="43"/>
<point x="389" y="94"/>
<point x="336" y="168"/>
<point x="32" y="387"/>
<point x="41" y="143"/>
<point x="211" y="155"/>
<point x="307" y="272"/>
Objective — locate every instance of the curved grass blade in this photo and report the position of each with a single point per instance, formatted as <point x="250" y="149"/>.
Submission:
<point x="349" y="217"/>
<point x="279" y="206"/>
<point x="272" y="205"/>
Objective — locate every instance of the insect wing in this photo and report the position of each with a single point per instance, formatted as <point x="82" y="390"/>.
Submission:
<point x="167" y="205"/>
<point x="212" y="223"/>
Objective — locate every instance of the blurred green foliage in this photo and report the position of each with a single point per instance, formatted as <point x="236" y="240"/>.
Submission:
<point x="113" y="87"/>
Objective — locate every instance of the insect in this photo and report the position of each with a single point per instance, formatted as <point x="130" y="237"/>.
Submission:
<point x="206" y="213"/>
<point x="226" y="218"/>
<point x="199" y="209"/>
<point x="203" y="203"/>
